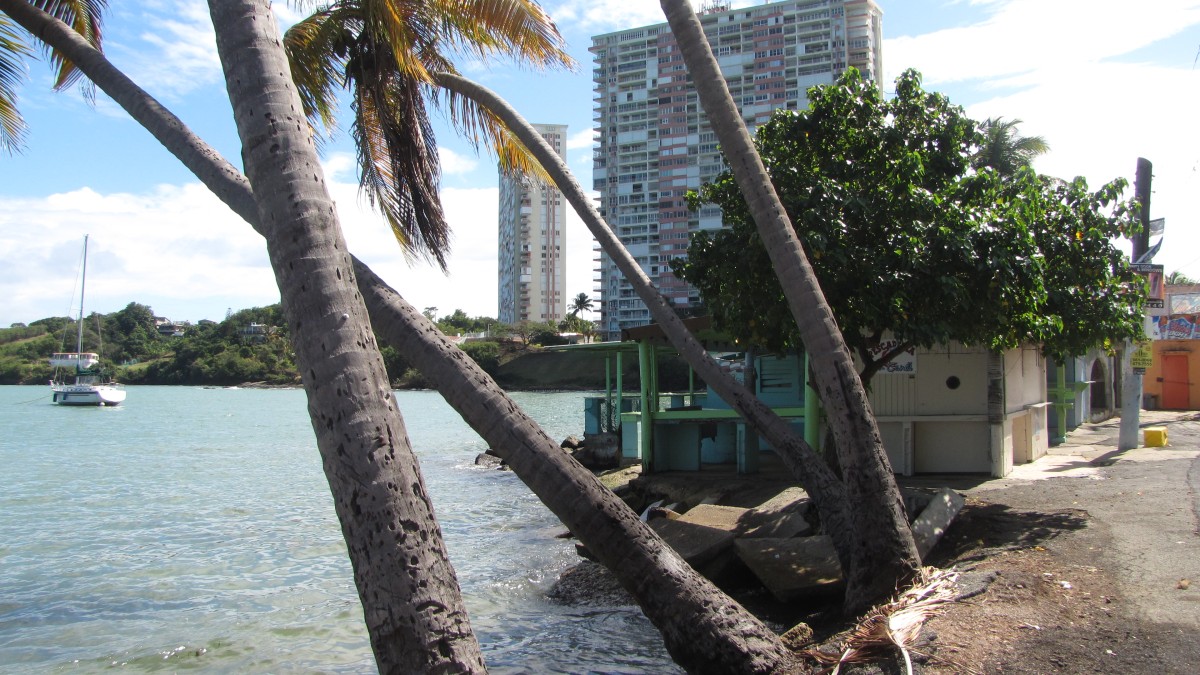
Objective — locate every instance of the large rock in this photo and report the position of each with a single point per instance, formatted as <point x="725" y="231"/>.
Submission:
<point x="793" y="568"/>
<point x="598" y="452"/>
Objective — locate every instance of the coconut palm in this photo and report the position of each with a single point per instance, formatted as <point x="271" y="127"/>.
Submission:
<point x="581" y="303"/>
<point x="1004" y="149"/>
<point x="1177" y="278"/>
<point x="884" y="555"/>
<point x="383" y="51"/>
<point x="703" y="628"/>
<point x="409" y="592"/>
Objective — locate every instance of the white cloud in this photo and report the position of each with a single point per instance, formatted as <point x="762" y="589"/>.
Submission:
<point x="1067" y="70"/>
<point x="614" y="15"/>
<point x="176" y="248"/>
<point x="584" y="138"/>
<point x="455" y="163"/>
<point x="1022" y="37"/>
<point x="179" y="250"/>
<point x="178" y="56"/>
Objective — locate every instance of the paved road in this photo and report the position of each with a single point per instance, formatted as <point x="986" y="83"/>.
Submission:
<point x="1148" y="500"/>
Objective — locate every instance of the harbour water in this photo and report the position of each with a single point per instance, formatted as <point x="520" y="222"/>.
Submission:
<point x="192" y="529"/>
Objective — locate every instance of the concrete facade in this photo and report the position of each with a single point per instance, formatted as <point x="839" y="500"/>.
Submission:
<point x="654" y="143"/>
<point x="532" y="261"/>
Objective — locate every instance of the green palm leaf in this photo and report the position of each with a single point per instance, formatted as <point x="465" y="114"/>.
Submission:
<point x="387" y="52"/>
<point x="12" y="71"/>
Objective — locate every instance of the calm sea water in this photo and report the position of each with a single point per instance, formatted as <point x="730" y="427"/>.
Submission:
<point x="192" y="529"/>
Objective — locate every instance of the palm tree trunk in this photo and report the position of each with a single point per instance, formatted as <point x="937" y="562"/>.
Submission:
<point x="802" y="461"/>
<point x="884" y="554"/>
<point x="712" y="631"/>
<point x="704" y="629"/>
<point x="411" y="600"/>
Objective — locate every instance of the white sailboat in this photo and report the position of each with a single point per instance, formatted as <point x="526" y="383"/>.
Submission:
<point x="75" y="382"/>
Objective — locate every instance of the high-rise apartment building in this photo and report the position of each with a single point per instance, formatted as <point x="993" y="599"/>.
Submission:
<point x="532" y="265"/>
<point x="654" y="143"/>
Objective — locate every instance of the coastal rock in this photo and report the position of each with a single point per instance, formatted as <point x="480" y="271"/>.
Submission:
<point x="596" y="455"/>
<point x="589" y="583"/>
<point x="490" y="460"/>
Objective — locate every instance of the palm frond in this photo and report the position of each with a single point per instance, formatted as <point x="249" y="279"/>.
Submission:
<point x="518" y="29"/>
<point x="12" y="72"/>
<point x="484" y="130"/>
<point x="83" y="16"/>
<point x="317" y="50"/>
<point x="398" y="163"/>
<point x="897" y="624"/>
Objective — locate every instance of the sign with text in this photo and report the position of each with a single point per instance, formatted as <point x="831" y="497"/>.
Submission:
<point x="904" y="362"/>
<point x="1142" y="357"/>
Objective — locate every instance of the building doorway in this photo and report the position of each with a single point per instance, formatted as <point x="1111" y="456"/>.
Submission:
<point x="1175" y="382"/>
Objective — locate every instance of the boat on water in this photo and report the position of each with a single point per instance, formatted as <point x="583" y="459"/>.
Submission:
<point x="78" y="380"/>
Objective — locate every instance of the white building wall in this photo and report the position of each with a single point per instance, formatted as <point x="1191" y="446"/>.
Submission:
<point x="532" y="244"/>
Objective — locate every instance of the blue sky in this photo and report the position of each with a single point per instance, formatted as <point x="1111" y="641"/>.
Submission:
<point x="1103" y="81"/>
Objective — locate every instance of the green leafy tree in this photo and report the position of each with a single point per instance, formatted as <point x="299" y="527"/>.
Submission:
<point x="485" y="353"/>
<point x="905" y="237"/>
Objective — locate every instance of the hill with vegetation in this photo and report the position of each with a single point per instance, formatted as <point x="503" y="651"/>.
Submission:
<point x="252" y="346"/>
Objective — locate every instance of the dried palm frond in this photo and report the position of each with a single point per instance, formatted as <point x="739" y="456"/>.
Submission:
<point x="897" y="623"/>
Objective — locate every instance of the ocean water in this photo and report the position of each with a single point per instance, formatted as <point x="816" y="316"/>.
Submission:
<point x="191" y="529"/>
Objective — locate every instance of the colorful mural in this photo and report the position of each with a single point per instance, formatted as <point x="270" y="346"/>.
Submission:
<point x="1179" y="327"/>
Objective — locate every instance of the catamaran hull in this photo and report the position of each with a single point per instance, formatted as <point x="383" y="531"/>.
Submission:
<point x="85" y="395"/>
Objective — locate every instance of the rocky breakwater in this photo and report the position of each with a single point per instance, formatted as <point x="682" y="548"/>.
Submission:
<point x="597" y="452"/>
<point x="751" y="538"/>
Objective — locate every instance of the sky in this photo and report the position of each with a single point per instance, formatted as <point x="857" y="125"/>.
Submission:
<point x="1104" y="82"/>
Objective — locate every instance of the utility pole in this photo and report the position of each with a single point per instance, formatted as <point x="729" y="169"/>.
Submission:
<point x="1131" y="382"/>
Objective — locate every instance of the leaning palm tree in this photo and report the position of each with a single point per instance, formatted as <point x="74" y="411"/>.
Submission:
<point x="1004" y="149"/>
<point x="885" y="555"/>
<point x="581" y="303"/>
<point x="703" y="629"/>
<point x="383" y="52"/>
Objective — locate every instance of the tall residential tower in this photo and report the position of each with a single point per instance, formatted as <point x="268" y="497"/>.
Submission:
<point x="654" y="143"/>
<point x="532" y="265"/>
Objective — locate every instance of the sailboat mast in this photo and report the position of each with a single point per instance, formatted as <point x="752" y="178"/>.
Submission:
<point x="82" y="288"/>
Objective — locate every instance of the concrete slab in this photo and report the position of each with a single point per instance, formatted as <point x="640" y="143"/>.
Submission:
<point x="793" y="568"/>
<point x="711" y="515"/>
<point x="931" y="523"/>
<point x="697" y="544"/>
<point x="783" y="516"/>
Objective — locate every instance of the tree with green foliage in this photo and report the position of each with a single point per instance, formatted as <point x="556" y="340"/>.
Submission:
<point x="908" y="240"/>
